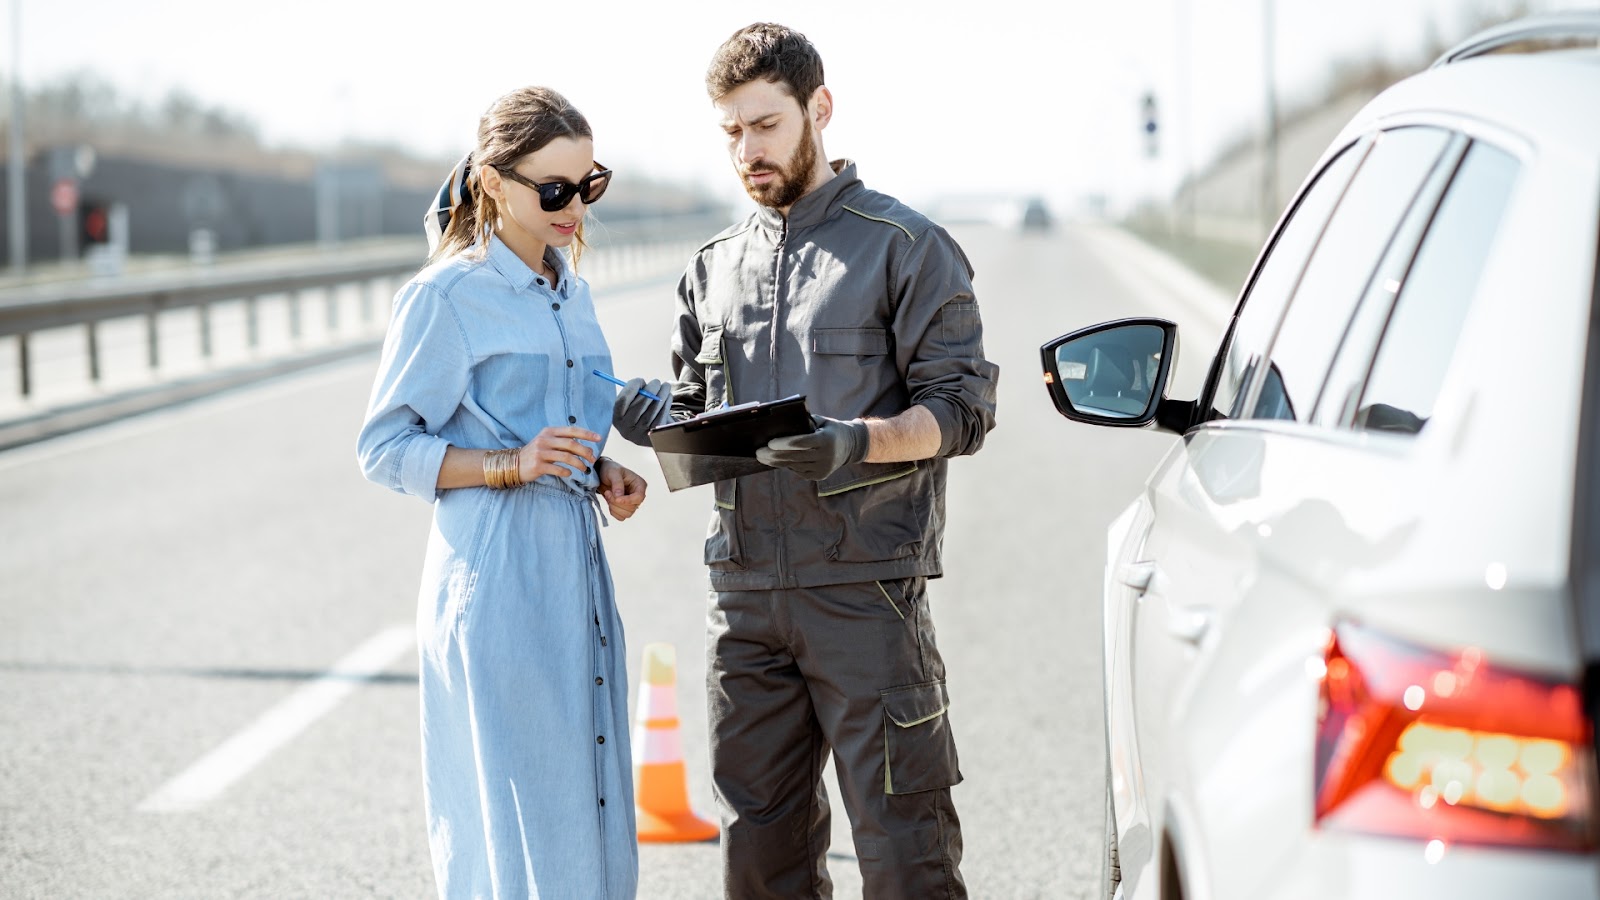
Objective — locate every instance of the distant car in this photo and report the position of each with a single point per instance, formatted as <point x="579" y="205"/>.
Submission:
<point x="1035" y="216"/>
<point x="1352" y="621"/>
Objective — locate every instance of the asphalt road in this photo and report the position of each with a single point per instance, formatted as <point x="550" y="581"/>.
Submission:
<point x="207" y="677"/>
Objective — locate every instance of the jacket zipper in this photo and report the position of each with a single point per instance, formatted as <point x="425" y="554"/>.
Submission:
<point x="780" y="558"/>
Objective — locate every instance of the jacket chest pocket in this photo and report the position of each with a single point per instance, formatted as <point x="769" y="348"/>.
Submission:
<point x="713" y="362"/>
<point x="863" y="346"/>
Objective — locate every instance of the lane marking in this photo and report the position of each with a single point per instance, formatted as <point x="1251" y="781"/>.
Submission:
<point x="1201" y="309"/>
<point x="210" y="775"/>
<point x="1159" y="277"/>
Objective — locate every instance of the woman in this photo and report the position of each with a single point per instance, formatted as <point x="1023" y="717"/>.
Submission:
<point x="485" y="406"/>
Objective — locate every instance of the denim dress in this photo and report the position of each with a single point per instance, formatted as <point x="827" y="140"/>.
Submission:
<point x="525" y="745"/>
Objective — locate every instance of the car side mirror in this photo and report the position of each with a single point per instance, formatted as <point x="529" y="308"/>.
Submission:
<point x="1114" y="373"/>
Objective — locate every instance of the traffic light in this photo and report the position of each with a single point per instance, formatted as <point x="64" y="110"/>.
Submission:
<point x="1147" y="109"/>
<point x="94" y="224"/>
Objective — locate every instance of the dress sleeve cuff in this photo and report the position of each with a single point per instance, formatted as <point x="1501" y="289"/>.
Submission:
<point x="419" y="467"/>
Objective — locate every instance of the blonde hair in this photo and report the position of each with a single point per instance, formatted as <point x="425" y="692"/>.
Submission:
<point x="517" y="124"/>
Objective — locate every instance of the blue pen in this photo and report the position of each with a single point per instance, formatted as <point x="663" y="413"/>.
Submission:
<point x="620" y="383"/>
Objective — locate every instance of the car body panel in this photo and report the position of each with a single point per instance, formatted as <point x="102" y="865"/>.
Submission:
<point x="1253" y="538"/>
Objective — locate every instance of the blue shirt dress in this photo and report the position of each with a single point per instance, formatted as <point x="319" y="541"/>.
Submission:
<point x="525" y="745"/>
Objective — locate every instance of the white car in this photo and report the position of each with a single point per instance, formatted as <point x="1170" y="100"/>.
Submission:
<point x="1352" y="622"/>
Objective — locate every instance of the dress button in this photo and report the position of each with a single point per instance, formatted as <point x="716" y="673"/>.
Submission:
<point x="599" y="681"/>
<point x="572" y="420"/>
<point x="600" y="740"/>
<point x="569" y="363"/>
<point x="555" y="306"/>
<point x="602" y="801"/>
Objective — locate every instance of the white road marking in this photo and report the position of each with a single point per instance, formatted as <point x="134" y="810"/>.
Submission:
<point x="1158" y="277"/>
<point x="1201" y="309"/>
<point x="210" y="775"/>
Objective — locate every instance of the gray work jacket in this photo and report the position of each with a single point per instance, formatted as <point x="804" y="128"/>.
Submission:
<point x="865" y="307"/>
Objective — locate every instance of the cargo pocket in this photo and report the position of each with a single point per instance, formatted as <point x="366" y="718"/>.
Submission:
<point x="919" y="750"/>
<point x="716" y="367"/>
<point x="722" y="540"/>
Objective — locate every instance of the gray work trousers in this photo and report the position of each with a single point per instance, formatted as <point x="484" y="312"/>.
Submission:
<point x="853" y="668"/>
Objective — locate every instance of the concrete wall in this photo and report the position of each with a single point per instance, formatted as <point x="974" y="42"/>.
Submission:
<point x="1226" y="202"/>
<point x="243" y="209"/>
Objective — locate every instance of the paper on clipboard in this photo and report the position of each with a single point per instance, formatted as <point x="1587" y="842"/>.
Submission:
<point x="723" y="443"/>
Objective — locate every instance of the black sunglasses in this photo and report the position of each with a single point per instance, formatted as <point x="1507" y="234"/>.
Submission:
<point x="555" y="195"/>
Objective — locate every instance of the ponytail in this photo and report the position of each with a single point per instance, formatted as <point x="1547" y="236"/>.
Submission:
<point x="451" y="223"/>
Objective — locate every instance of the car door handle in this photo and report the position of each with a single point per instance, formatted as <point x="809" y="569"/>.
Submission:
<point x="1189" y="623"/>
<point x="1138" y="575"/>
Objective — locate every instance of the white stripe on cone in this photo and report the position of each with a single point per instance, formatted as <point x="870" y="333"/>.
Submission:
<point x="656" y="745"/>
<point x="657" y="701"/>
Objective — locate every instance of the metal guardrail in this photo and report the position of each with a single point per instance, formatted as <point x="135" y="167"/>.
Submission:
<point x="34" y="308"/>
<point x="27" y="310"/>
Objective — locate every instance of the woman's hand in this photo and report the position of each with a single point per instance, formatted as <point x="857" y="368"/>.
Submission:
<point x="557" y="451"/>
<point x="622" y="488"/>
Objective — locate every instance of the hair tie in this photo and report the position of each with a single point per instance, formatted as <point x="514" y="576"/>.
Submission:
<point x="456" y="190"/>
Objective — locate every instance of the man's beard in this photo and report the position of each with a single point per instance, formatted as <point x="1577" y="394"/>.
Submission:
<point x="793" y="179"/>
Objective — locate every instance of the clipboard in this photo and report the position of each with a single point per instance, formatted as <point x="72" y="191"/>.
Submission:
<point x="723" y="443"/>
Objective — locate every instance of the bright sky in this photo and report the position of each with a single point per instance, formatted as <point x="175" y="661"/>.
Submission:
<point x="930" y="97"/>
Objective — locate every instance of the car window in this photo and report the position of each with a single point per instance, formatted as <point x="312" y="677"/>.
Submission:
<point x="1434" y="298"/>
<point x="1341" y="390"/>
<point x="1275" y="280"/>
<point x="1341" y="266"/>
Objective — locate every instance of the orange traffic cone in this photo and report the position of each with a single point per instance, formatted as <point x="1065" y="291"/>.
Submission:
<point x="661" y="792"/>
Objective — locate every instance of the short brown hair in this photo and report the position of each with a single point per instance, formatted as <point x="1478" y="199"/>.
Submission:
<point x="770" y="52"/>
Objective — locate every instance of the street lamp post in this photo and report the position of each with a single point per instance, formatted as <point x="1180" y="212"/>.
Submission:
<point x="1269" y="148"/>
<point x="1185" y="216"/>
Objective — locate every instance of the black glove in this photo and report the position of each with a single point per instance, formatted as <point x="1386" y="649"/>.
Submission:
<point x="819" y="454"/>
<point x="634" y="414"/>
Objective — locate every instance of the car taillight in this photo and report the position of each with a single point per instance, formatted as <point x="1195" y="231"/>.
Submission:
<point x="1419" y="743"/>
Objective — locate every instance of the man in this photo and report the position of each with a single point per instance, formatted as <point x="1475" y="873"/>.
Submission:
<point x="820" y="634"/>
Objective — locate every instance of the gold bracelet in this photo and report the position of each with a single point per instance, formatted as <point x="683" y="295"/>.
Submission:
<point x="511" y="462"/>
<point x="513" y="468"/>
<point x="501" y="476"/>
<point x="491" y="473"/>
<point x="502" y="469"/>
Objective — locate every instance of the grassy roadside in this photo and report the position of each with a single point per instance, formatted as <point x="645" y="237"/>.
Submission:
<point x="1225" y="264"/>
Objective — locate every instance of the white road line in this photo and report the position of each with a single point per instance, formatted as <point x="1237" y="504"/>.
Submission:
<point x="1169" y="288"/>
<point x="235" y="757"/>
<point x="1160" y="278"/>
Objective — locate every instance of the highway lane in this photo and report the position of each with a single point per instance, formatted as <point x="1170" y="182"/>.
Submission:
<point x="185" y="581"/>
